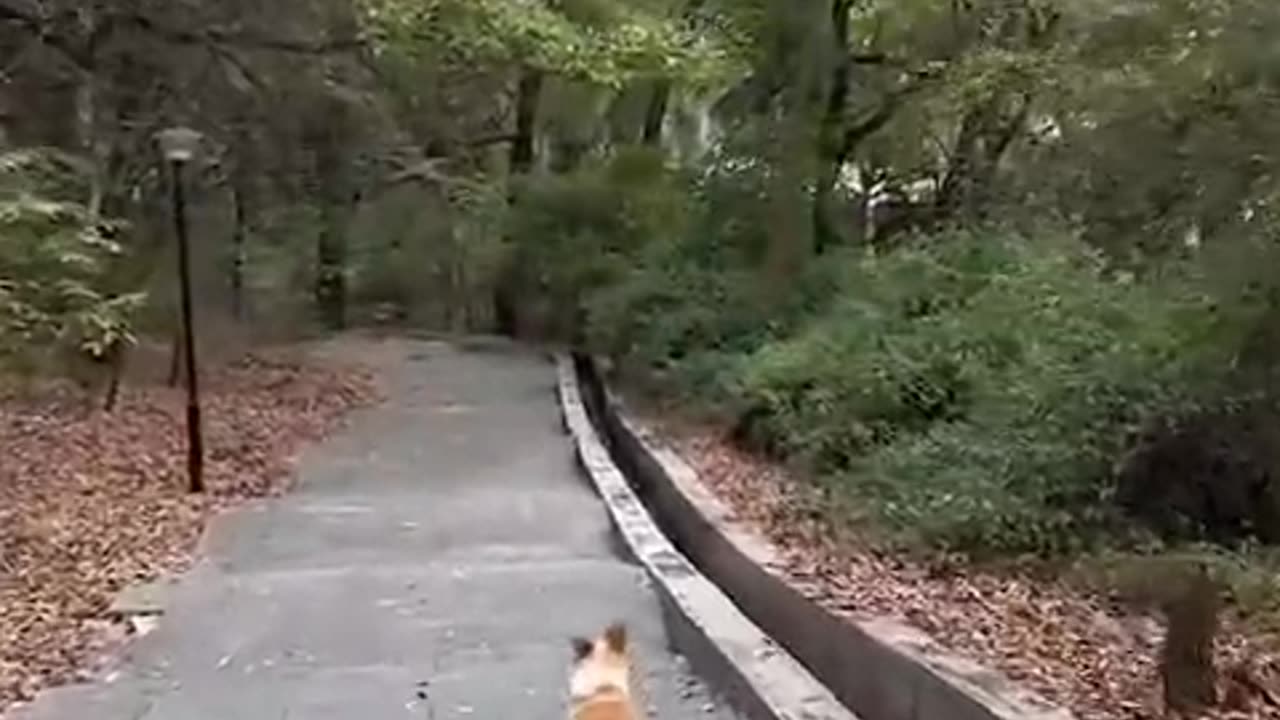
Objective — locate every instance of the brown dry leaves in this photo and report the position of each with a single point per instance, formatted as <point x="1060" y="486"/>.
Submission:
<point x="91" y="502"/>
<point x="1072" y="648"/>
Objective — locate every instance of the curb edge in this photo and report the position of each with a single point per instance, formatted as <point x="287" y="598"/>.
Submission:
<point x="756" y="675"/>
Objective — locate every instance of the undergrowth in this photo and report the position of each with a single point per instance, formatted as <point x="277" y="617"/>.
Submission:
<point x="977" y="390"/>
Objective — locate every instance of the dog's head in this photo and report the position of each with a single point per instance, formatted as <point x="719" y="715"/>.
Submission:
<point x="603" y="662"/>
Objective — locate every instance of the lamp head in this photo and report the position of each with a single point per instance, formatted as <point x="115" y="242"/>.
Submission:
<point x="179" y="144"/>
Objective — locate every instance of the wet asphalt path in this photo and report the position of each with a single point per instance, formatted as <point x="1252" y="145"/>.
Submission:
<point x="432" y="563"/>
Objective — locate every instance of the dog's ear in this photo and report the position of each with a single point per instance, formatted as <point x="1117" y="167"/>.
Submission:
<point x="616" y="637"/>
<point x="581" y="648"/>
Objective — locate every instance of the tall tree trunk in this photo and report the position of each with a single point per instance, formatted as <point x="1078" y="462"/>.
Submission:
<point x="89" y="113"/>
<point x="656" y="113"/>
<point x="833" y="151"/>
<point x="795" y="125"/>
<point x="790" y="213"/>
<point x="504" y="306"/>
<point x="331" y="276"/>
<point x="87" y="129"/>
<point x="332" y="177"/>
<point x="985" y="134"/>
<point x="505" y="291"/>
<point x="238" y="233"/>
<point x="528" y="93"/>
<point x="116" y="358"/>
<point x="243" y="209"/>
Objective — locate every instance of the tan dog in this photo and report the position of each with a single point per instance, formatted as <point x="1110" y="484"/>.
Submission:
<point x="600" y="679"/>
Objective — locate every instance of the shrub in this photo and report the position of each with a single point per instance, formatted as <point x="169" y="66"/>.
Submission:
<point x="692" y="323"/>
<point x="977" y="388"/>
<point x="579" y="232"/>
<point x="56" y="265"/>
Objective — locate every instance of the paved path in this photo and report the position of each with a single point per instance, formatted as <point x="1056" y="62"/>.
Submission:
<point x="444" y="547"/>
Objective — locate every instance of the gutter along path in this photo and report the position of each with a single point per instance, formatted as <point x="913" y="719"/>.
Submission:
<point x="432" y="562"/>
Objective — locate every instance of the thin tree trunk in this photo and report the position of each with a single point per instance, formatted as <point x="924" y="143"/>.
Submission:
<point x="175" y="357"/>
<point x="528" y="93"/>
<point x="833" y="151"/>
<point x="116" y="362"/>
<point x="87" y="116"/>
<point x="795" y="125"/>
<point x="505" y="292"/>
<point x="985" y="134"/>
<point x="791" y="213"/>
<point x="331" y="173"/>
<point x="238" y="233"/>
<point x="331" y="283"/>
<point x="656" y="113"/>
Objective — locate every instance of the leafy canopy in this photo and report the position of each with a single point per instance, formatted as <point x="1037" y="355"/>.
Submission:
<point x="605" y="44"/>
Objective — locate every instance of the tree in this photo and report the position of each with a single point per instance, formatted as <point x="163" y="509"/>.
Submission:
<point x="56" y="293"/>
<point x="532" y="49"/>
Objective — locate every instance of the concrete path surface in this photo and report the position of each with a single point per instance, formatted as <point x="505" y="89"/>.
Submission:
<point x="432" y="564"/>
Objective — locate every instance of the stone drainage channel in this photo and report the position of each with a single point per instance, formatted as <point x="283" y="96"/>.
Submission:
<point x="782" y="653"/>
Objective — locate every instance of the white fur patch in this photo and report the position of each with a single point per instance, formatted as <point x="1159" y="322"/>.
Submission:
<point x="597" y="670"/>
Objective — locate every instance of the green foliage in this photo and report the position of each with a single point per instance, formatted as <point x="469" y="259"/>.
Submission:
<point x="979" y="389"/>
<point x="1047" y="377"/>
<point x="688" y="311"/>
<point x="973" y="390"/>
<point x="429" y="257"/>
<point x="55" y="265"/>
<point x="1167" y="113"/>
<point x="575" y="233"/>
<point x="603" y="43"/>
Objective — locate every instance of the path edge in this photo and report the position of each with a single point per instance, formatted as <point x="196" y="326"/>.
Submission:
<point x="879" y="668"/>
<point x="740" y="661"/>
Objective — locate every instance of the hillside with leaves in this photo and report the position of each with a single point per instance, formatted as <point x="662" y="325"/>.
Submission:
<point x="90" y="504"/>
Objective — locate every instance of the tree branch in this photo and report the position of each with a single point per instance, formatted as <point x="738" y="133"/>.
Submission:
<point x="855" y="134"/>
<point x="240" y="66"/>
<point x="242" y="39"/>
<point x="81" y="53"/>
<point x="36" y="25"/>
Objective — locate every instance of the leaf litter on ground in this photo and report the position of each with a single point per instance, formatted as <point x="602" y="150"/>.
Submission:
<point x="1076" y="649"/>
<point x="91" y="502"/>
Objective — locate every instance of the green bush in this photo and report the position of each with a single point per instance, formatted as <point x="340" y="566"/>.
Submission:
<point x="58" y="288"/>
<point x="884" y="359"/>
<point x="692" y="324"/>
<point x="687" y="304"/>
<point x="576" y="233"/>
<point x="976" y="389"/>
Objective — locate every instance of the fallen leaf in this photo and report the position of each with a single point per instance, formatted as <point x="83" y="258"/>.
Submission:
<point x="93" y="502"/>
<point x="1068" y="646"/>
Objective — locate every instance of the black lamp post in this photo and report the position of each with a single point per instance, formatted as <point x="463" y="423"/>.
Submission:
<point x="179" y="146"/>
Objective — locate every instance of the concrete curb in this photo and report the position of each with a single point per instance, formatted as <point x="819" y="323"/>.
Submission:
<point x="741" y="662"/>
<point x="879" y="669"/>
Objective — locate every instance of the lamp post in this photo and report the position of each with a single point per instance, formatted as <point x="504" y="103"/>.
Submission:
<point x="179" y="146"/>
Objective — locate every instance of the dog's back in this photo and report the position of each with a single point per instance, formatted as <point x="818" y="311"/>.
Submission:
<point x="600" y="680"/>
<point x="604" y="708"/>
